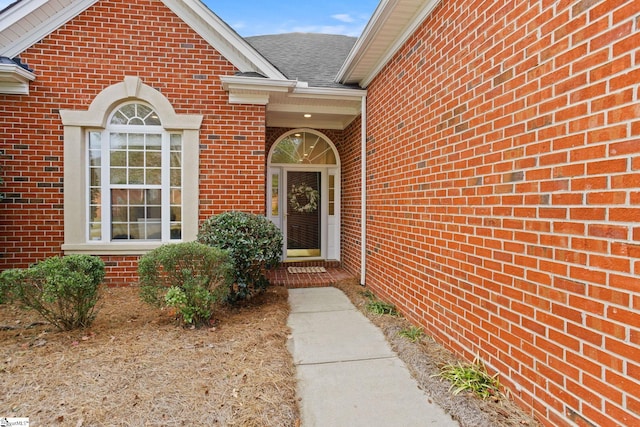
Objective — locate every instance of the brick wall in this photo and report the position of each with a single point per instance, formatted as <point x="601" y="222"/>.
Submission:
<point x="350" y="154"/>
<point x="109" y="41"/>
<point x="504" y="159"/>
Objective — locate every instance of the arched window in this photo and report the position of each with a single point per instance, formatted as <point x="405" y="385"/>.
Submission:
<point x="135" y="170"/>
<point x="131" y="172"/>
<point x="303" y="148"/>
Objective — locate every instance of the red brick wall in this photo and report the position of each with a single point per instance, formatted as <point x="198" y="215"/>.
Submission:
<point x="109" y="41"/>
<point x="350" y="155"/>
<point x="504" y="142"/>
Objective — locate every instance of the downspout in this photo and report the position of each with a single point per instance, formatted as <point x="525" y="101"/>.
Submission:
<point x="363" y="191"/>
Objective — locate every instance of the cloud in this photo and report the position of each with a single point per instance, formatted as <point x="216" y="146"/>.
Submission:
<point x="343" y="17"/>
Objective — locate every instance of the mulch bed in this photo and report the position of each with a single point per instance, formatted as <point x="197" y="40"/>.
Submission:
<point x="136" y="366"/>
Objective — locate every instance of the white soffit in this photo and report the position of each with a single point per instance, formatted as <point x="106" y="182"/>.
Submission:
<point x="29" y="21"/>
<point x="389" y="28"/>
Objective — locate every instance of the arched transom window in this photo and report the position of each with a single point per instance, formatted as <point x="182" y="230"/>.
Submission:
<point x="304" y="148"/>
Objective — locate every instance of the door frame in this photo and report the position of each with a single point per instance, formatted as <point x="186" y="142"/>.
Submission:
<point x="330" y="232"/>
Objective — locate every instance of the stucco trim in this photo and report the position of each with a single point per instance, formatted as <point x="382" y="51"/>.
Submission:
<point x="76" y="122"/>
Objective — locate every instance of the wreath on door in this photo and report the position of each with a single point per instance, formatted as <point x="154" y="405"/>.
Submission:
<point x="305" y="193"/>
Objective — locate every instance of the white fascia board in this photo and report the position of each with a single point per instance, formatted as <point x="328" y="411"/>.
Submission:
<point x="257" y="83"/>
<point x="254" y="90"/>
<point x="222" y="37"/>
<point x="14" y="80"/>
<point x="370" y="32"/>
<point x="249" y="98"/>
<point x="41" y="31"/>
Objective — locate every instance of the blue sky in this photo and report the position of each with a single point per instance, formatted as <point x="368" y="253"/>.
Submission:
<point x="251" y="18"/>
<point x="258" y="17"/>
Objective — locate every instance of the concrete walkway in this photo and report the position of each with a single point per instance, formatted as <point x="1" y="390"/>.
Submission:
<point x="347" y="373"/>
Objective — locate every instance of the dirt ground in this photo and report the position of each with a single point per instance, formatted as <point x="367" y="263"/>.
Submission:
<point x="136" y="367"/>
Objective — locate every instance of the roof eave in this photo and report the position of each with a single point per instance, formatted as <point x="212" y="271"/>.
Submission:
<point x="14" y="79"/>
<point x="371" y="52"/>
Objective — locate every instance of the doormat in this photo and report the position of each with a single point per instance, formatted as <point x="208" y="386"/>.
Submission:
<point x="295" y="270"/>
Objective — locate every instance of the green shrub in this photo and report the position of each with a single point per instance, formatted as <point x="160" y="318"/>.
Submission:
<point x="63" y="290"/>
<point x="254" y="243"/>
<point x="7" y="280"/>
<point x="191" y="277"/>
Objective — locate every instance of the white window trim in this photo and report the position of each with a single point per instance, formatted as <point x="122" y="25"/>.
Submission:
<point x="77" y="122"/>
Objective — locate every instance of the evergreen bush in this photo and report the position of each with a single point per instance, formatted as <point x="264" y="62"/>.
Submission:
<point x="63" y="290"/>
<point x="254" y="243"/>
<point x="191" y="277"/>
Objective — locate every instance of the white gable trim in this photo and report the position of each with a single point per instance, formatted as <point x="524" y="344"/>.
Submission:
<point x="387" y="31"/>
<point x="193" y="12"/>
<point x="219" y="35"/>
<point x="24" y="8"/>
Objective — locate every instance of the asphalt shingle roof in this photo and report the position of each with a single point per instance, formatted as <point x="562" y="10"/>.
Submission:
<point x="308" y="57"/>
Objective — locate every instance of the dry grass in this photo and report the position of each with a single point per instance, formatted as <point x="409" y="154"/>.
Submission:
<point x="136" y="367"/>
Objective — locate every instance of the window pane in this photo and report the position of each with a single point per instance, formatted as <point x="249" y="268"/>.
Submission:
<point x="176" y="213"/>
<point x="275" y="191"/>
<point x="154" y="159"/>
<point x="119" y="158"/>
<point x="94" y="180"/>
<point x="176" y="160"/>
<point x="154" y="176"/>
<point x="95" y="140"/>
<point x="154" y="142"/>
<point x="118" y="141"/>
<point x="95" y="158"/>
<point x="176" y="196"/>
<point x="118" y="176"/>
<point x="136" y="214"/>
<point x="136" y="159"/>
<point x="136" y="141"/>
<point x="176" y="142"/>
<point x="176" y="177"/>
<point x="136" y="176"/>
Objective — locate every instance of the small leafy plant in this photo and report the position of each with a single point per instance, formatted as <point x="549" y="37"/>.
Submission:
<point x="381" y="308"/>
<point x="254" y="244"/>
<point x="378" y="307"/>
<point x="190" y="277"/>
<point x="412" y="333"/>
<point x="472" y="377"/>
<point x="63" y="290"/>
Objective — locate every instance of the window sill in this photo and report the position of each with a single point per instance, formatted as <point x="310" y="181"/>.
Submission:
<point x="131" y="248"/>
